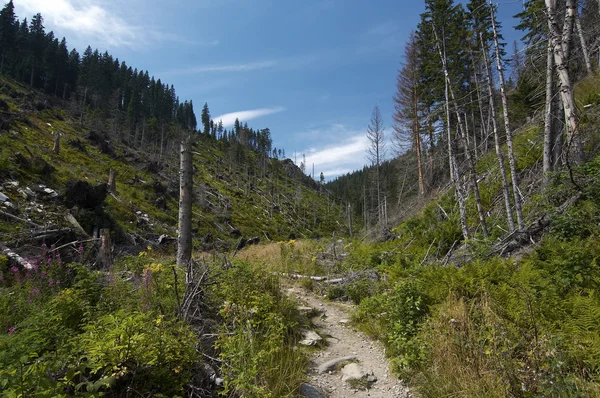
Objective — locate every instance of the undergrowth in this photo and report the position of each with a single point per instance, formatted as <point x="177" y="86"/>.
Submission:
<point x="492" y="326"/>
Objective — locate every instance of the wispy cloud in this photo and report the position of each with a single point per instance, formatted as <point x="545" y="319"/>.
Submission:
<point x="228" y="119"/>
<point x="344" y="156"/>
<point x="96" y="19"/>
<point x="247" y="67"/>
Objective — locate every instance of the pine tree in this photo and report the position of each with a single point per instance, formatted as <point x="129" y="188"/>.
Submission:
<point x="8" y="35"/>
<point x="205" y="118"/>
<point x="37" y="38"/>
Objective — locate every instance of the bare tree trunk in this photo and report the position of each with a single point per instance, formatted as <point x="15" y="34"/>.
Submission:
<point x="56" y="148"/>
<point x="162" y="139"/>
<point x="473" y="175"/>
<point x="32" y="70"/>
<point x="584" y="48"/>
<point x="112" y="180"/>
<point x="418" y="146"/>
<point x="548" y="117"/>
<point x="105" y="253"/>
<point x="509" y="139"/>
<point x="480" y="102"/>
<point x="499" y="155"/>
<point x="471" y="165"/>
<point x="558" y="127"/>
<point x="350" y="219"/>
<point x="83" y="106"/>
<point x="562" y="70"/>
<point x="454" y="172"/>
<point x="570" y="14"/>
<point x="184" y="241"/>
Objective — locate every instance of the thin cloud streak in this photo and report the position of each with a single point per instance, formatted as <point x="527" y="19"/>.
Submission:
<point x="228" y="119"/>
<point x="247" y="67"/>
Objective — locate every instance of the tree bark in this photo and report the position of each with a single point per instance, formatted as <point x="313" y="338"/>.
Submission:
<point x="499" y="155"/>
<point x="584" y="48"/>
<point x="112" y="181"/>
<point x="350" y="219"/>
<point x="509" y="138"/>
<point x="184" y="241"/>
<point x="562" y="70"/>
<point x="418" y="146"/>
<point x="548" y="117"/>
<point x="56" y="148"/>
<point x="105" y="254"/>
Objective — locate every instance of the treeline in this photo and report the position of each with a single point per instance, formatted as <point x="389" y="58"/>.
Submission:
<point x="455" y="100"/>
<point x="128" y="102"/>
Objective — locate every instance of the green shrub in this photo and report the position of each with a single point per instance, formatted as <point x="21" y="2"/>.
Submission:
<point x="258" y="335"/>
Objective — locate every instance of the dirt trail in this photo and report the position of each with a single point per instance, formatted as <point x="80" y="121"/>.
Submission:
<point x="344" y="340"/>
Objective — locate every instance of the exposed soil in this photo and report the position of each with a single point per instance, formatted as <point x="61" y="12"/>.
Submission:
<point x="344" y="340"/>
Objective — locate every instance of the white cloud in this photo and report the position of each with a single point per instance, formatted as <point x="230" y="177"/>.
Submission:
<point x="98" y="20"/>
<point x="228" y="119"/>
<point x="247" y="67"/>
<point x="346" y="155"/>
<point x="85" y="18"/>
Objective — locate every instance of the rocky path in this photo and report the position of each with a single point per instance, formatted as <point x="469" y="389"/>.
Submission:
<point x="350" y="364"/>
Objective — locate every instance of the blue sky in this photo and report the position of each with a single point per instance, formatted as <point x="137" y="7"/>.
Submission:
<point x="310" y="70"/>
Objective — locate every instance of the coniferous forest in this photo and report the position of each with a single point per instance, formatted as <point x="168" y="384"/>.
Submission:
<point x="147" y="252"/>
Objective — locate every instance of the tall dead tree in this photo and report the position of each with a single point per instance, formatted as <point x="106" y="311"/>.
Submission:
<point x="376" y="153"/>
<point x="560" y="44"/>
<point x="512" y="163"/>
<point x="186" y="171"/>
<point x="406" y="106"/>
<point x="499" y="154"/>
<point x="584" y="48"/>
<point x="548" y="163"/>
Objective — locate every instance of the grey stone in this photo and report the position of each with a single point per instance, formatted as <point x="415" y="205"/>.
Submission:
<point x="353" y="371"/>
<point x="3" y="197"/>
<point x="330" y="365"/>
<point x="50" y="192"/>
<point x="308" y="391"/>
<point x="310" y="338"/>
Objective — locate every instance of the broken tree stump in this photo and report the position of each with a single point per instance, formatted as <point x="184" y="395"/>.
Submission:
<point x="56" y="148"/>
<point x="105" y="253"/>
<point x="112" y="181"/>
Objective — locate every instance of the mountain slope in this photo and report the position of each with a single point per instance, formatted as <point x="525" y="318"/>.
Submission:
<point x="238" y="192"/>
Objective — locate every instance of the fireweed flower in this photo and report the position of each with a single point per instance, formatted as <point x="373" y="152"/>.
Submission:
<point x="80" y="249"/>
<point x="11" y="330"/>
<point x="14" y="269"/>
<point x="44" y="274"/>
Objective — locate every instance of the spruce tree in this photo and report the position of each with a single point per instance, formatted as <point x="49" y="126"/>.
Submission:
<point x="8" y="35"/>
